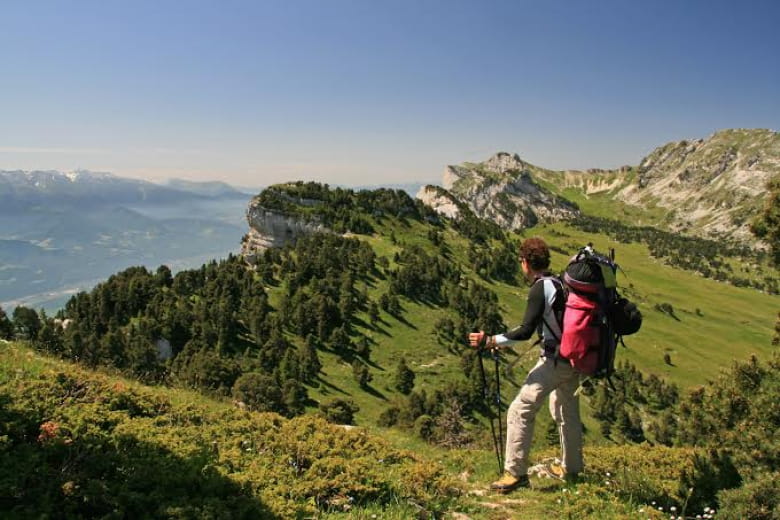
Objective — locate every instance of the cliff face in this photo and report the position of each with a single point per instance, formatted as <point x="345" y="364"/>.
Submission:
<point x="440" y="200"/>
<point x="501" y="189"/>
<point x="272" y="228"/>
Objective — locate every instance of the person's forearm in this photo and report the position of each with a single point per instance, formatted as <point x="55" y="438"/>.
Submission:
<point x="532" y="316"/>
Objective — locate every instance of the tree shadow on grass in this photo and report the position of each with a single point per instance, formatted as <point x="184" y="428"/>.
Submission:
<point x="373" y="391"/>
<point x="331" y="386"/>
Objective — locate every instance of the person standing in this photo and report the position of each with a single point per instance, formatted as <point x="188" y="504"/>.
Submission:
<point x="552" y="375"/>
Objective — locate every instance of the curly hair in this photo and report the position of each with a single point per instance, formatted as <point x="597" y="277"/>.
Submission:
<point x="537" y="253"/>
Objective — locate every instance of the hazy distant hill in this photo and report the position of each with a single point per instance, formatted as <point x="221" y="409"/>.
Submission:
<point x="60" y="232"/>
<point x="18" y="188"/>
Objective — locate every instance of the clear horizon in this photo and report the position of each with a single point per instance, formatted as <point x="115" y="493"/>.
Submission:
<point x="357" y="93"/>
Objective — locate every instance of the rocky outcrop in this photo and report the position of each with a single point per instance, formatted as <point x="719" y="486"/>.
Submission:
<point x="501" y="189"/>
<point x="440" y="200"/>
<point x="272" y="228"/>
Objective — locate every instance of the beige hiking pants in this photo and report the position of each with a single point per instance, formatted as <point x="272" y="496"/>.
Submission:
<point x="559" y="381"/>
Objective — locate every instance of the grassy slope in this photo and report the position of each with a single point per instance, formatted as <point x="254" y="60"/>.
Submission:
<point x="731" y="324"/>
<point x="176" y="438"/>
<point x="617" y="486"/>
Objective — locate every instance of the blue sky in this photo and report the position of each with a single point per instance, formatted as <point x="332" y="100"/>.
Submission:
<point x="365" y="92"/>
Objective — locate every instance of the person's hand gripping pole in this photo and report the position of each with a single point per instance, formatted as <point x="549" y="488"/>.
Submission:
<point x="482" y="341"/>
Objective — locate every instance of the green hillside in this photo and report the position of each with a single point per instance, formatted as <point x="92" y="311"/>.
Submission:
<point x="87" y="444"/>
<point x="320" y="328"/>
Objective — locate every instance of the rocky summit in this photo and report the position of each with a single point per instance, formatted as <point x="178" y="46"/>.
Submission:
<point x="501" y="189"/>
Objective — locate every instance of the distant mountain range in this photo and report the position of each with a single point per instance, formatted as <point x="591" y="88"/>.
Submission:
<point x="63" y="232"/>
<point x="23" y="189"/>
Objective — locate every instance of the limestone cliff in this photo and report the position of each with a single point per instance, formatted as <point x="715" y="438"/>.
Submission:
<point x="270" y="228"/>
<point x="442" y="201"/>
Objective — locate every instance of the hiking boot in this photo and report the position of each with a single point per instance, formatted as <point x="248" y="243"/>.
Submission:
<point x="509" y="482"/>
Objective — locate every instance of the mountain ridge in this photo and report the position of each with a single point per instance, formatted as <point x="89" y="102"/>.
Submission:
<point x="707" y="187"/>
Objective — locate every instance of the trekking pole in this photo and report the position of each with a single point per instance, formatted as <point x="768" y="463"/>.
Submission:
<point x="496" y="440"/>
<point x="498" y="411"/>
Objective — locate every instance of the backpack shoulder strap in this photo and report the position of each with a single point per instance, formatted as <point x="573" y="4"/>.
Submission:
<point x="552" y="288"/>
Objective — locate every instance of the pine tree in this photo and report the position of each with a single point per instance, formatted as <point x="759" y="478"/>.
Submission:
<point x="339" y="411"/>
<point x="289" y="368"/>
<point x="113" y="349"/>
<point x="373" y="313"/>
<point x="294" y="397"/>
<point x="6" y="327"/>
<point x="260" y="392"/>
<point x="48" y="340"/>
<point x="26" y="323"/>
<point x="403" y="380"/>
<point x="340" y="342"/>
<point x="309" y="361"/>
<point x="163" y="276"/>
<point x="361" y="373"/>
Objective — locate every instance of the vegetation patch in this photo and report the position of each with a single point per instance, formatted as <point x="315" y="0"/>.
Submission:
<point x="85" y="445"/>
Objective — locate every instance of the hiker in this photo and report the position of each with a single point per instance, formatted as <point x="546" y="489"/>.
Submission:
<point x="552" y="375"/>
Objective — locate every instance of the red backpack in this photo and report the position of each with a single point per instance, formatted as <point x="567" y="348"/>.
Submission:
<point x="596" y="317"/>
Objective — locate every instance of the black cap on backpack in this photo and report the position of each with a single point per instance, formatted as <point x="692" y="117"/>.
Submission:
<point x="583" y="276"/>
